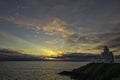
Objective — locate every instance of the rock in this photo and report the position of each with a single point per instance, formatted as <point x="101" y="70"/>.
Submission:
<point x="95" y="71"/>
<point x="65" y="73"/>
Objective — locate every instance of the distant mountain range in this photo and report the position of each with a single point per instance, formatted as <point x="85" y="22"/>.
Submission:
<point x="11" y="55"/>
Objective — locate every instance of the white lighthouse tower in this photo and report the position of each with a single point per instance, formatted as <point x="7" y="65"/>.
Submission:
<point x="107" y="56"/>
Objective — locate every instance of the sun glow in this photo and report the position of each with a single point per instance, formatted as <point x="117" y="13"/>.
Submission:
<point x="51" y="53"/>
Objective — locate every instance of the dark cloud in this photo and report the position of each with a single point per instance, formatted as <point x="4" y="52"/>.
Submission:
<point x="72" y="38"/>
<point x="95" y="41"/>
<point x="116" y="27"/>
<point x="110" y="39"/>
<point x="15" y="55"/>
<point x="79" y="56"/>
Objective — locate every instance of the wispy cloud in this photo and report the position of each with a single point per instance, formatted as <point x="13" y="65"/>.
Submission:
<point x="11" y="41"/>
<point x="23" y="21"/>
<point x="55" y="27"/>
<point x="101" y="39"/>
<point x="58" y="27"/>
<point x="54" y="41"/>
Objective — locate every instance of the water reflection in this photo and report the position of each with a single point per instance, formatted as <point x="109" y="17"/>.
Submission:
<point x="36" y="70"/>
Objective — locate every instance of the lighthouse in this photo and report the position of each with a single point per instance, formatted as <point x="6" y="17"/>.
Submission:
<point x="107" y="56"/>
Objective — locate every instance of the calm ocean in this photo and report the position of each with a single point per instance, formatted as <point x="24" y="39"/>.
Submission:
<point x="36" y="70"/>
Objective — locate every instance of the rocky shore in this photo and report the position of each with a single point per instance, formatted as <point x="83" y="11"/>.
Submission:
<point x="95" y="71"/>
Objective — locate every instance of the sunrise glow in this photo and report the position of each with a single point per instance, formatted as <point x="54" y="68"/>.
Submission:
<point x="51" y="28"/>
<point x="51" y="53"/>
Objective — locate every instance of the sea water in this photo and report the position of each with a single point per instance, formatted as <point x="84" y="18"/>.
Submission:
<point x="36" y="70"/>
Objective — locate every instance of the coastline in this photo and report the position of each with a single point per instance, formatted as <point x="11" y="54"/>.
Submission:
<point x="95" y="71"/>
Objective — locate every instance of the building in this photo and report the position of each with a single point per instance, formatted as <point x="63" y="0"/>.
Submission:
<point x="107" y="56"/>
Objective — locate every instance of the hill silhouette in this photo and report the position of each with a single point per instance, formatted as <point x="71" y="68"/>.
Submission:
<point x="95" y="71"/>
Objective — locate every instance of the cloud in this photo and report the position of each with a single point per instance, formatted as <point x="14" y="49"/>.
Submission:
<point x="99" y="40"/>
<point x="15" y="55"/>
<point x="94" y="43"/>
<point x="51" y="53"/>
<point x="78" y="56"/>
<point x="57" y="27"/>
<point x="92" y="37"/>
<point x="56" y="2"/>
<point x="54" y="41"/>
<point x="8" y="40"/>
<point x="23" y="21"/>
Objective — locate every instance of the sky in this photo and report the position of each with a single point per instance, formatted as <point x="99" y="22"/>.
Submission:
<point x="56" y="27"/>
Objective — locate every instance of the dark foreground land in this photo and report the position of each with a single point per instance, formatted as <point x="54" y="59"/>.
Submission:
<point x="95" y="71"/>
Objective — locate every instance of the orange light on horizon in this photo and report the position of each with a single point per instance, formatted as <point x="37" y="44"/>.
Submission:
<point x="51" y="53"/>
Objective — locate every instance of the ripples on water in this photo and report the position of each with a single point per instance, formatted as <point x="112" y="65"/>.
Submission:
<point x="36" y="70"/>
